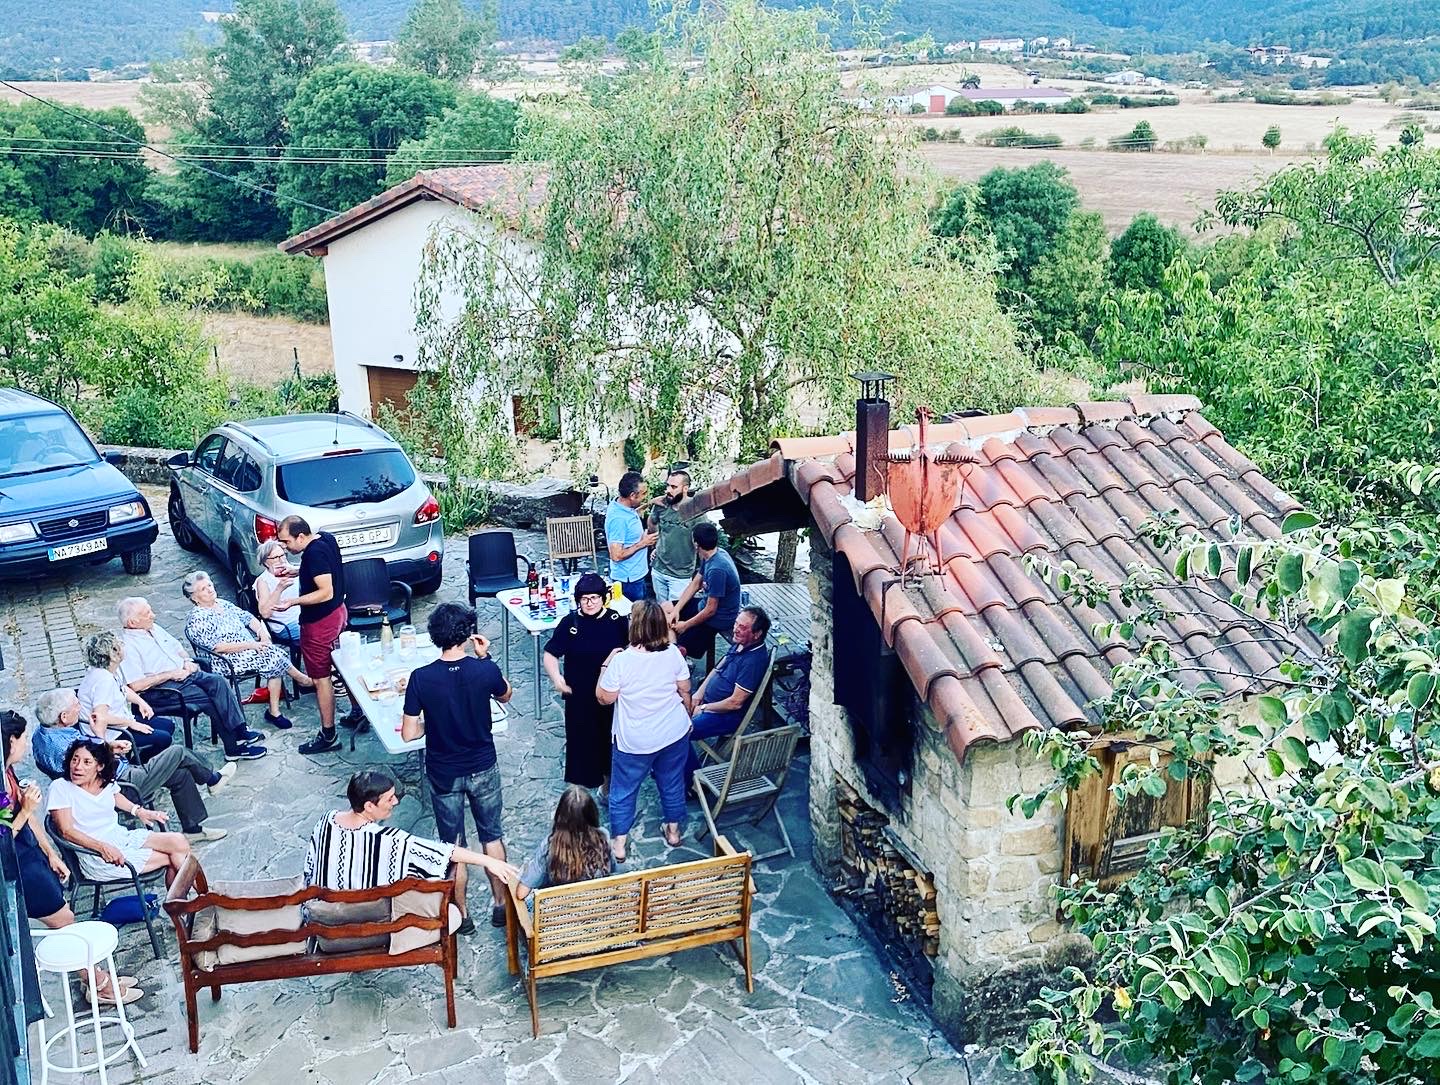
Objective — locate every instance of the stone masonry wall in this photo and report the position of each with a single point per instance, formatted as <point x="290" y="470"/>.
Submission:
<point x="999" y="939"/>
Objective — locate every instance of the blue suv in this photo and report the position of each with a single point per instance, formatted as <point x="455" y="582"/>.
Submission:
<point x="61" y="502"/>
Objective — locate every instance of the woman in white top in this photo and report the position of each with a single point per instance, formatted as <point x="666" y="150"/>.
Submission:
<point x="105" y="700"/>
<point x="649" y="685"/>
<point x="277" y="583"/>
<point x="83" y="804"/>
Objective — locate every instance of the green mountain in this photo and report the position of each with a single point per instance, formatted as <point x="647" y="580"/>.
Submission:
<point x="65" y="35"/>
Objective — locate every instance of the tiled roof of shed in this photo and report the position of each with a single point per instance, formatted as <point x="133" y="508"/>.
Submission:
<point x="506" y="189"/>
<point x="991" y="648"/>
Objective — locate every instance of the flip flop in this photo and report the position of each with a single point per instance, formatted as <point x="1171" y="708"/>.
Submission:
<point x="127" y="995"/>
<point x="673" y="841"/>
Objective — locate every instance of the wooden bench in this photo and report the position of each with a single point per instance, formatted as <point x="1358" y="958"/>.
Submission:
<point x="244" y="932"/>
<point x="628" y="917"/>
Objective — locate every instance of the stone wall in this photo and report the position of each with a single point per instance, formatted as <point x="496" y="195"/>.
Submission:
<point x="999" y="939"/>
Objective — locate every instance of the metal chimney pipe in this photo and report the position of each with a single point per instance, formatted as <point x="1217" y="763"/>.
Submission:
<point x="872" y="435"/>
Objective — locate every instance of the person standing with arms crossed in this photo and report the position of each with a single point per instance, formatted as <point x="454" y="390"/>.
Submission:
<point x="627" y="540"/>
<point x="322" y="615"/>
<point x="673" y="563"/>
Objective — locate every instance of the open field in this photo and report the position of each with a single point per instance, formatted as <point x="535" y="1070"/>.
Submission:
<point x="260" y="349"/>
<point x="91" y="95"/>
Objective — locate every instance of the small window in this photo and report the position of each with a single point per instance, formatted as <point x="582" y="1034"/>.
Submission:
<point x="230" y="462"/>
<point x="208" y="454"/>
<point x="247" y="476"/>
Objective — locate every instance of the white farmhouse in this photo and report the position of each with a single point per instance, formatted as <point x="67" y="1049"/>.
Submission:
<point x="1128" y="78"/>
<point x="373" y="254"/>
<point x="1000" y="45"/>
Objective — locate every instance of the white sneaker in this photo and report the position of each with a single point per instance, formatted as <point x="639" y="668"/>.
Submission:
<point x="226" y="772"/>
<point x="207" y="836"/>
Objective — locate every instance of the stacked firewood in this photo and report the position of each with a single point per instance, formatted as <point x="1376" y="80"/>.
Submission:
<point x="882" y="878"/>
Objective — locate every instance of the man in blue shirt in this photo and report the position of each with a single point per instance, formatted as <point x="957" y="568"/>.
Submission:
<point x="627" y="540"/>
<point x="696" y="625"/>
<point x="725" y="694"/>
<point x="175" y="768"/>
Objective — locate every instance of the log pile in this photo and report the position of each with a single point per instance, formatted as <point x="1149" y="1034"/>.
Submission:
<point x="883" y="878"/>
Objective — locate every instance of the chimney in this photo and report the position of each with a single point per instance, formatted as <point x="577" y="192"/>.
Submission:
<point x="872" y="435"/>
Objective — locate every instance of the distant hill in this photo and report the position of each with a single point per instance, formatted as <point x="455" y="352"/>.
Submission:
<point x="104" y="33"/>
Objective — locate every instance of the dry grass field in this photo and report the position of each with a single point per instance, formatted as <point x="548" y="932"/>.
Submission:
<point x="260" y="349"/>
<point x="91" y="95"/>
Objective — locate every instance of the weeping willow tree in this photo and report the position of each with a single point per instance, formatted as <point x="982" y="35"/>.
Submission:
<point x="716" y="240"/>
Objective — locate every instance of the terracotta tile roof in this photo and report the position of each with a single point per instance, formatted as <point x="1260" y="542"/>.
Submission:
<point x="991" y="649"/>
<point x="506" y="189"/>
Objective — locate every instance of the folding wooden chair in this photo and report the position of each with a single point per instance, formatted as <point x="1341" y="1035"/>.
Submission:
<point x="755" y="773"/>
<point x="569" y="538"/>
<point x="718" y="750"/>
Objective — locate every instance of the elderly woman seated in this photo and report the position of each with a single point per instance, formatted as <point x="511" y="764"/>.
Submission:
<point x="222" y="630"/>
<point x="105" y="700"/>
<point x="277" y="583"/>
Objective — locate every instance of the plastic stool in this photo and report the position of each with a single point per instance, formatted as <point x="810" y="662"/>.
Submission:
<point x="80" y="947"/>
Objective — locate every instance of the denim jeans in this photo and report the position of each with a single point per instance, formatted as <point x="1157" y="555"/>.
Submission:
<point x="158" y="740"/>
<point x="636" y="590"/>
<point x="709" y="725"/>
<point x="481" y="790"/>
<point x="628" y="772"/>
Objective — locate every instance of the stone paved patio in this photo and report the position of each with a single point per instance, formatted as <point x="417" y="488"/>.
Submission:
<point x="824" y="1007"/>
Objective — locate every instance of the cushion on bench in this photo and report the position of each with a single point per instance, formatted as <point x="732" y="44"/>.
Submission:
<point x="213" y="920"/>
<point x="329" y="914"/>
<point x="421" y="903"/>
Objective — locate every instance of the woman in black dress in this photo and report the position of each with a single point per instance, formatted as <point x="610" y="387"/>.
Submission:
<point x="584" y="639"/>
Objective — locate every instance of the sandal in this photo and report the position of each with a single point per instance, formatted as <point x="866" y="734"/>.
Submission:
<point x="673" y="840"/>
<point x="619" y="852"/>
<point x="107" y="997"/>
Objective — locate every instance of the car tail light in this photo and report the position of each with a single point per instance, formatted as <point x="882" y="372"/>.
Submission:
<point x="429" y="512"/>
<point x="265" y="528"/>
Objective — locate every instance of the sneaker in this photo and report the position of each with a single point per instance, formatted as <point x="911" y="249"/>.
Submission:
<point x="227" y="770"/>
<point x="280" y="722"/>
<point x="467" y="926"/>
<point x="206" y="836"/>
<point x="497" y="916"/>
<point x="249" y="752"/>
<point x="352" y="719"/>
<point x="324" y="742"/>
<point x="252" y="736"/>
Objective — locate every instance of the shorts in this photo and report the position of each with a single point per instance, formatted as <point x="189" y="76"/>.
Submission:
<point x="482" y="791"/>
<point x="131" y="843"/>
<point x="318" y="639"/>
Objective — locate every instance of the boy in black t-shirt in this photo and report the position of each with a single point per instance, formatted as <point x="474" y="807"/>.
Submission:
<point x="453" y="694"/>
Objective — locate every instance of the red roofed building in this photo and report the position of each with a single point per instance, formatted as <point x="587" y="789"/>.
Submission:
<point x="919" y="693"/>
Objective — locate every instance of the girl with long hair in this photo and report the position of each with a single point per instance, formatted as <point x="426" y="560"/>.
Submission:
<point x="576" y="850"/>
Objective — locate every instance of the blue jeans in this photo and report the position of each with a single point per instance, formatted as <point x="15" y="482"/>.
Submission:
<point x="147" y="746"/>
<point x="709" y="725"/>
<point x="628" y="772"/>
<point x="481" y="790"/>
<point x="636" y="590"/>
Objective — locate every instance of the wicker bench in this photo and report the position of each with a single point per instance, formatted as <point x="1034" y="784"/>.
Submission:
<point x="244" y="932"/>
<point x="628" y="917"/>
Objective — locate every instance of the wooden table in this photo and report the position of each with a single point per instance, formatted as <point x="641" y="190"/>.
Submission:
<point x="383" y="710"/>
<point x="514" y="604"/>
<point x="789" y="607"/>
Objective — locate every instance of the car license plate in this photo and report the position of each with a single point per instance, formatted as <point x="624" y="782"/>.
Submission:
<point x="74" y="550"/>
<point x="349" y="539"/>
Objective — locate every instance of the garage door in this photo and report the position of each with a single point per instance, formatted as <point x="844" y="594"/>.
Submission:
<point x="388" y="385"/>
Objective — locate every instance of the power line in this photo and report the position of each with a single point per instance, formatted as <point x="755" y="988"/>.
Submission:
<point x="234" y="146"/>
<point x="241" y="182"/>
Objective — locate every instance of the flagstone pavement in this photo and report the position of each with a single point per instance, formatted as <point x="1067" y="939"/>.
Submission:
<point x="825" y="1006"/>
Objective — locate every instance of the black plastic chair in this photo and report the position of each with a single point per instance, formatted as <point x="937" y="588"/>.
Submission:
<point x="167" y="700"/>
<point x="279" y="631"/>
<point x="371" y="596"/>
<point x="136" y="881"/>
<point x="493" y="565"/>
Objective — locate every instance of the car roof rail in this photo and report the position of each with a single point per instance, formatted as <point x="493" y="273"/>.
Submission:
<point x="252" y="435"/>
<point x="362" y="420"/>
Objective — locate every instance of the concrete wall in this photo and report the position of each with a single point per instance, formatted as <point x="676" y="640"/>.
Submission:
<point x="992" y="869"/>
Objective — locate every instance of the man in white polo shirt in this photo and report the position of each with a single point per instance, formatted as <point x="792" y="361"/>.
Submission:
<point x="154" y="658"/>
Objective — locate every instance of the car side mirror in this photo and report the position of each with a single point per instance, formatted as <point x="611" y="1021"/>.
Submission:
<point x="180" y="459"/>
<point x="115" y="459"/>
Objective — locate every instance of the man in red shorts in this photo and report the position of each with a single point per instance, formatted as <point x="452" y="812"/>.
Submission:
<point x="322" y="615"/>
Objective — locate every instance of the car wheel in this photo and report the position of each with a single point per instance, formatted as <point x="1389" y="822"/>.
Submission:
<point x="180" y="527"/>
<point x="426" y="587"/>
<point x="136" y="562"/>
<point x="239" y="572"/>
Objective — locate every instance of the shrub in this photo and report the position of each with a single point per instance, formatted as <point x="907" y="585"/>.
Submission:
<point x="1074" y="105"/>
<point x="930" y="135"/>
<point x="1271" y="139"/>
<point x="1014" y="136"/>
<point x="1140" y="138"/>
<point x="961" y="107"/>
<point x="317" y="393"/>
<point x="158" y="418"/>
<point x="916" y="107"/>
<point x="1104" y="98"/>
<point x="115" y="259"/>
<point x="1146" y="101"/>
<point x="989" y="108"/>
<point x="287" y="284"/>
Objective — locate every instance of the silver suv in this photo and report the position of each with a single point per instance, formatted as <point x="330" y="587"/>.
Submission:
<point x="340" y="472"/>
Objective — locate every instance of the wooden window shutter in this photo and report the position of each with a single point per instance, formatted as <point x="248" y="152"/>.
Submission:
<point x="1106" y="840"/>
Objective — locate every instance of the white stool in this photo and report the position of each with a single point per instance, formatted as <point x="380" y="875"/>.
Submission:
<point x="80" y="947"/>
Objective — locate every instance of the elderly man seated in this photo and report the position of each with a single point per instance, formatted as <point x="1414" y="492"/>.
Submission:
<point x="154" y="658"/>
<point x="351" y="849"/>
<point x="180" y="771"/>
<point x="722" y="698"/>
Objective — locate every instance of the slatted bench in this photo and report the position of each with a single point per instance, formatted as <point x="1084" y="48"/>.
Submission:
<point x="629" y="917"/>
<point x="243" y="932"/>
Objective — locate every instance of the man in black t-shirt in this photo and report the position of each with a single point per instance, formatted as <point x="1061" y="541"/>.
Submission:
<point x="453" y="696"/>
<point x="322" y="615"/>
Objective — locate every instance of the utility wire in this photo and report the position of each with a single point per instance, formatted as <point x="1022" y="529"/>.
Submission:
<point x="238" y="181"/>
<point x="231" y="146"/>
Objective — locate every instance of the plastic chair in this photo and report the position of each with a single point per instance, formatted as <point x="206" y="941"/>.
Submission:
<point x="221" y="664"/>
<point x="167" y="700"/>
<point x="755" y="773"/>
<point x="81" y="947"/>
<point x="493" y="565"/>
<point x="71" y="852"/>
<point x="371" y="596"/>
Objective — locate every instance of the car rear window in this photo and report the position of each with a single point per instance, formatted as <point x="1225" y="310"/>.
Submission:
<point x="40" y="442"/>
<point x="337" y="480"/>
